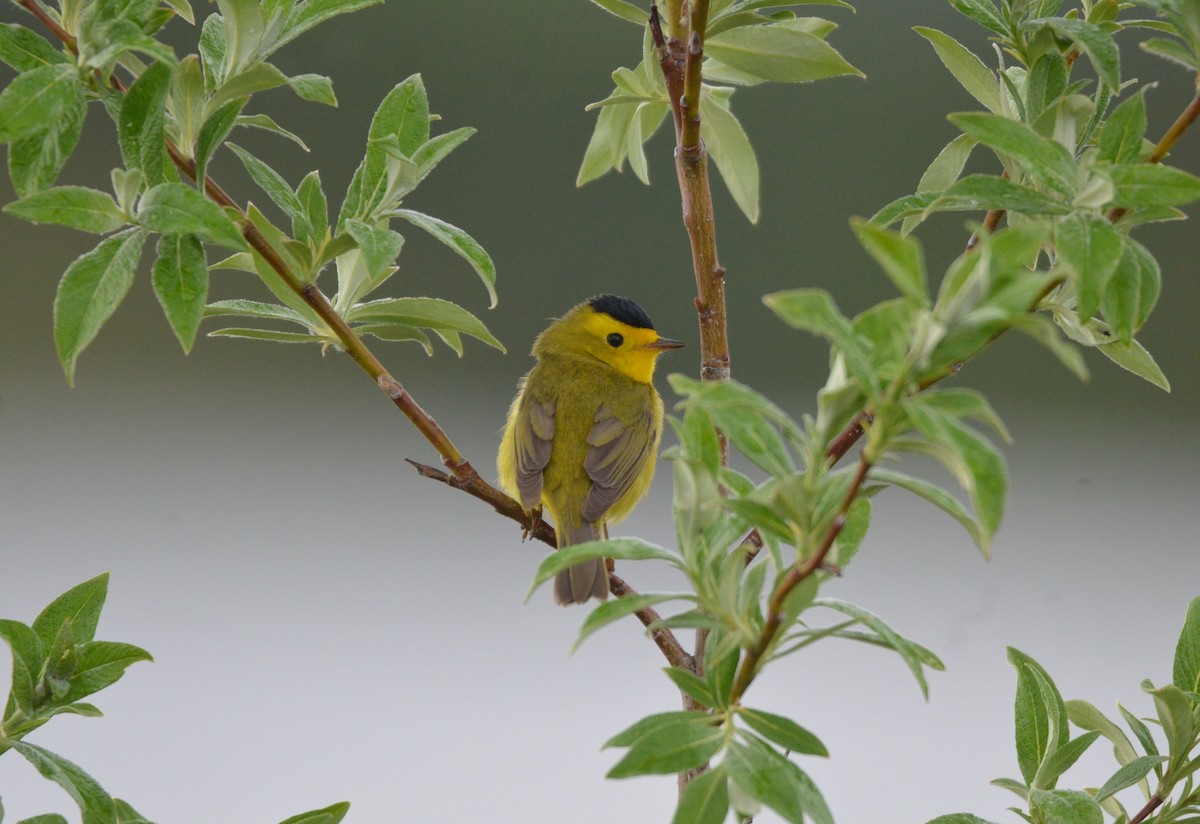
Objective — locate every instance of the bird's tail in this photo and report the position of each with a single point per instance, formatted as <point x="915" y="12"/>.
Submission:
<point x="575" y="585"/>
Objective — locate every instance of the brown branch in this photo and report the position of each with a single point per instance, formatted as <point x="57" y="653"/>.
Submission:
<point x="49" y="22"/>
<point x="534" y="527"/>
<point x="798" y="573"/>
<point x="1151" y="805"/>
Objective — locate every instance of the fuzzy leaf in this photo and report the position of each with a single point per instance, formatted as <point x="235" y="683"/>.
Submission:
<point x="706" y="799"/>
<point x="967" y="69"/>
<point x="783" y="731"/>
<point x="35" y="98"/>
<point x="778" y="53"/>
<point x="180" y="281"/>
<point x="75" y="206"/>
<point x="178" y="209"/>
<point x="90" y="291"/>
<point x="1043" y="159"/>
<point x="462" y="243"/>
<point x="620" y="549"/>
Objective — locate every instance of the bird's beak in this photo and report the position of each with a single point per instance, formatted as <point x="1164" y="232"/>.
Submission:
<point x="663" y="344"/>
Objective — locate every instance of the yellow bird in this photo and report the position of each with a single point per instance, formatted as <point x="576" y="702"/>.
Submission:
<point x="582" y="434"/>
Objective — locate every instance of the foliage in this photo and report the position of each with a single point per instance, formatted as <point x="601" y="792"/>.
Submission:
<point x="1076" y="178"/>
<point x="1045" y="751"/>
<point x="57" y="662"/>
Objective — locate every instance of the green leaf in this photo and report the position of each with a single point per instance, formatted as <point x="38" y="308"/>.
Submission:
<point x="331" y="814"/>
<point x="1091" y="248"/>
<point x="1141" y="185"/>
<point x="907" y="650"/>
<point x="1042" y="329"/>
<point x="47" y="818"/>
<point x="24" y="50"/>
<point x="1186" y="672"/>
<point x="90" y="291"/>
<point x="900" y="258"/>
<point x="259" y="77"/>
<point x="1062" y="759"/>
<point x="214" y="131"/>
<point x="958" y="818"/>
<point x="180" y="281"/>
<point x="314" y="225"/>
<point x="403" y="115"/>
<point x="126" y="814"/>
<point x="271" y="182"/>
<point x="967" y="69"/>
<point x="813" y="310"/>
<point x="671" y="748"/>
<point x="379" y="246"/>
<point x="81" y="605"/>
<point x="267" y="123"/>
<point x="1094" y="41"/>
<point x="75" y="206"/>
<point x="1134" y="357"/>
<point x="1129" y="774"/>
<point x="620" y="549"/>
<point x="692" y="685"/>
<point x="1045" y="160"/>
<point x="783" y="731"/>
<point x="312" y="13"/>
<point x="93" y="801"/>
<point x="1041" y="717"/>
<point x="610" y="611"/>
<point x="27" y="661"/>
<point x="730" y="148"/>
<point x="941" y="174"/>
<point x="1067" y="806"/>
<point x="314" y="88"/>
<point x="272" y="335"/>
<point x="624" y="10"/>
<point x="140" y="123"/>
<point x="1045" y="86"/>
<point x="975" y="192"/>
<point x="984" y="13"/>
<point x="1140" y="731"/>
<point x="34" y="162"/>
<point x="650" y="723"/>
<point x="746" y="417"/>
<point x="979" y="468"/>
<point x="427" y="313"/>
<point x="780" y="53"/>
<point x="99" y="664"/>
<point x="178" y="209"/>
<point x="766" y="776"/>
<point x="462" y="243"/>
<point x="35" y="98"/>
<point x="606" y="147"/>
<point x="434" y="150"/>
<point x="1174" y="709"/>
<point x="1171" y="50"/>
<point x="1124" y="130"/>
<point x="706" y="799"/>
<point x="1132" y="290"/>
<point x="967" y="403"/>
<point x="1087" y="717"/>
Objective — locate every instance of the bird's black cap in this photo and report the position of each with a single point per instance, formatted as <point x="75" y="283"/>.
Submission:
<point x="622" y="309"/>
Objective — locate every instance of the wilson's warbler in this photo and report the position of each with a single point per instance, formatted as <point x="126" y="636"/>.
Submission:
<point x="582" y="434"/>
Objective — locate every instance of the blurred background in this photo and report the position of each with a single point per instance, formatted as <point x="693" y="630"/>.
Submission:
<point x="326" y="626"/>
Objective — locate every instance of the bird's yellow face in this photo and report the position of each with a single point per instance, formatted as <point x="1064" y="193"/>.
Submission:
<point x="630" y="350"/>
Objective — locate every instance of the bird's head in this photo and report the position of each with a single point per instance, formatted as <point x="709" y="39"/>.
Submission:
<point x="611" y="329"/>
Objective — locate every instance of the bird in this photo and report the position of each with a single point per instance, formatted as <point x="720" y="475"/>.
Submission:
<point x="581" y="438"/>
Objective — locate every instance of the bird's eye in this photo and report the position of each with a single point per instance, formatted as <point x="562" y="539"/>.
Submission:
<point x="615" y="340"/>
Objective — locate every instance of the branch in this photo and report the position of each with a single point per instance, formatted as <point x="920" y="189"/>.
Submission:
<point x="797" y="574"/>
<point x="1151" y="806"/>
<point x="539" y="530"/>
<point x="463" y="475"/>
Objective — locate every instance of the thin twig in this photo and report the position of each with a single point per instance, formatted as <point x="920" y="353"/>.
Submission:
<point x="797" y="574"/>
<point x="534" y="527"/>
<point x="1151" y="805"/>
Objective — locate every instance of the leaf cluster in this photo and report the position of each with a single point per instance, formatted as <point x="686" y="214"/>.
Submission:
<point x="56" y="662"/>
<point x="1045" y="750"/>
<point x="173" y="115"/>
<point x="748" y="43"/>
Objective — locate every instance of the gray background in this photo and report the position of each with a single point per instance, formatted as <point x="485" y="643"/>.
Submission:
<point x="328" y="627"/>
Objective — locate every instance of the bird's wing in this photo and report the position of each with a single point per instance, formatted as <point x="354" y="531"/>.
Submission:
<point x="533" y="439"/>
<point x="617" y="453"/>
